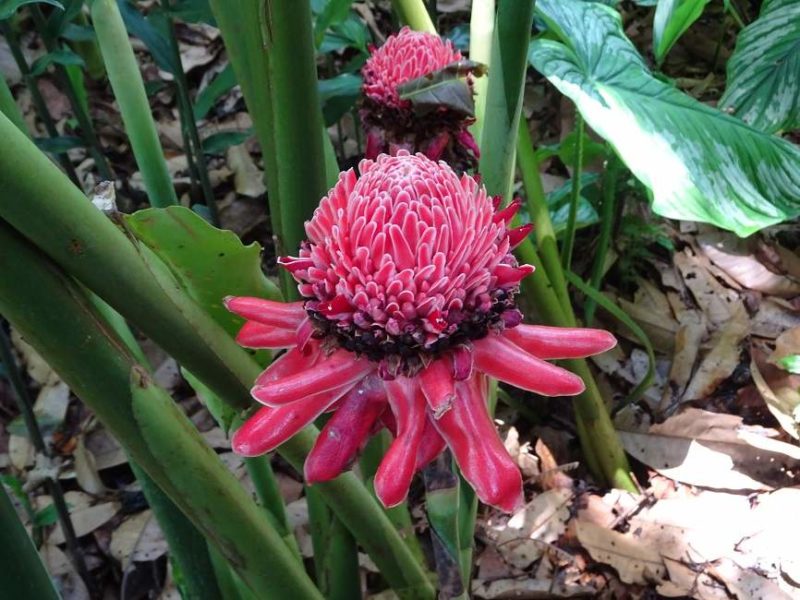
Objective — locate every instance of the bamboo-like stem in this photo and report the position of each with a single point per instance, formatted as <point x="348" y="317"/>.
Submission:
<point x="78" y="109"/>
<point x="36" y="96"/>
<point x="575" y="195"/>
<point x="504" y="96"/>
<point x="128" y="86"/>
<point x="86" y="245"/>
<point x="481" y="33"/>
<point x="22" y="573"/>
<point x="607" y="213"/>
<point x="99" y="368"/>
<point x="415" y="14"/>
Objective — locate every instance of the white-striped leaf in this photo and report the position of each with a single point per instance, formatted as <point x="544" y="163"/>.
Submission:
<point x="764" y="70"/>
<point x="700" y="163"/>
<point x="672" y="19"/>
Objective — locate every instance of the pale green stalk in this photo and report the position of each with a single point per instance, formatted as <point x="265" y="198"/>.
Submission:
<point x="126" y="81"/>
<point x="415" y="14"/>
<point x="481" y="32"/>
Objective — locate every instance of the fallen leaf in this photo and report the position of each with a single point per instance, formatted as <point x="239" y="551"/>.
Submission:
<point x="731" y="254"/>
<point x="525" y="587"/>
<point x="780" y="391"/>
<point x="138" y="539"/>
<point x="524" y="537"/>
<point x="248" y="179"/>
<point x="716" y="451"/>
<point x="86" y="469"/>
<point x="86" y="519"/>
<point x="717" y="302"/>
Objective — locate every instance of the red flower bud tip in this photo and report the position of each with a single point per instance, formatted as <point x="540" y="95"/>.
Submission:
<point x="518" y="234"/>
<point x="409" y="293"/>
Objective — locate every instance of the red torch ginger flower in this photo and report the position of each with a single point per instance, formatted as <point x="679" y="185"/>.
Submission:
<point x="394" y="123"/>
<point x="408" y="283"/>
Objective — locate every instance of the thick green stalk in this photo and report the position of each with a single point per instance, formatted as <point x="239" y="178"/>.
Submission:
<point x="89" y="51"/>
<point x="415" y="14"/>
<point x="481" y="33"/>
<point x="504" y="96"/>
<point x="539" y="213"/>
<point x="8" y="106"/>
<point x="22" y="573"/>
<point x="577" y="171"/>
<point x="187" y="546"/>
<point x="35" y="295"/>
<point x="41" y="203"/>
<point x="126" y="81"/>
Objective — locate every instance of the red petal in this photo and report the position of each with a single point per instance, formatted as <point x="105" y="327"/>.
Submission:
<point x="478" y="450"/>
<point x="436" y="382"/>
<point x="394" y="475"/>
<point x="505" y="215"/>
<point x="278" y="314"/>
<point x="436" y="148"/>
<point x="257" y="335"/>
<point x="338" y="369"/>
<point x="290" y="363"/>
<point x="508" y="276"/>
<point x="269" y="427"/>
<point x="462" y="362"/>
<point x="346" y="431"/>
<point x="560" y="342"/>
<point x="431" y="445"/>
<point x="498" y="357"/>
<point x="518" y="234"/>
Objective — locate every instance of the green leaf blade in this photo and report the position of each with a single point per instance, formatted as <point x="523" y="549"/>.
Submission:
<point x="700" y="163"/>
<point x="672" y="19"/>
<point x="764" y="70"/>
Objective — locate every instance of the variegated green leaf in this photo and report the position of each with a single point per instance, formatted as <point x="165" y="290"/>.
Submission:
<point x="700" y="163"/>
<point x="764" y="70"/>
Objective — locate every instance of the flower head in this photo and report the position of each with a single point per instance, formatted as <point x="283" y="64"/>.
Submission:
<point x="409" y="291"/>
<point x="393" y="122"/>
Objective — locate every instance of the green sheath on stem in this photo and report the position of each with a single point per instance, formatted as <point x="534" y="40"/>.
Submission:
<point x="22" y="573"/>
<point x="41" y="203"/>
<point x="126" y="81"/>
<point x="415" y="14"/>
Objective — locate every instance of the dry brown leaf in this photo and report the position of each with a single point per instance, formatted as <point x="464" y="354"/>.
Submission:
<point x="35" y="365"/>
<point x="552" y="476"/>
<point x="773" y="317"/>
<point x="746" y="584"/>
<point x="731" y="254"/>
<point x="716" y="301"/>
<point x="86" y="469"/>
<point x="524" y="537"/>
<point x="716" y="451"/>
<point x="21" y="452"/>
<point x="780" y="391"/>
<point x="722" y="359"/>
<point x="86" y="519"/>
<point x="787" y="344"/>
<point x="659" y="327"/>
<point x="248" y="179"/>
<point x="525" y="587"/>
<point x="138" y="539"/>
<point x="690" y="334"/>
<point x="521" y="454"/>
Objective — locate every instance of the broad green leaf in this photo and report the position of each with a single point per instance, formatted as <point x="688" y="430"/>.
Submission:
<point x="60" y="144"/>
<point x="157" y="43"/>
<point x="335" y="12"/>
<point x="764" y="70"/>
<point x="217" y="143"/>
<point x="223" y="413"/>
<point x="444" y="87"/>
<point x="672" y="19"/>
<point x="210" y="263"/>
<point x="700" y="163"/>
<point x="9" y="7"/>
<point x="57" y="57"/>
<point x="338" y="95"/>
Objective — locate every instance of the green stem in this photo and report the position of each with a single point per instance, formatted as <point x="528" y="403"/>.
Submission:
<point x="415" y="14"/>
<point x="36" y="96"/>
<point x="481" y="32"/>
<point x="269" y="495"/>
<point x="42" y="205"/>
<point x="22" y="573"/>
<point x="78" y="109"/>
<point x="128" y="86"/>
<point x="607" y="211"/>
<point x="577" y="171"/>
<point x="185" y="107"/>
